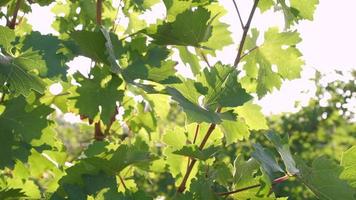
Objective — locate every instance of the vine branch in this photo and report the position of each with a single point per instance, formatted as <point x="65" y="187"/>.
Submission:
<point x="123" y="182"/>
<point x="99" y="10"/>
<point x="11" y="24"/>
<point x="274" y="182"/>
<point x="244" y="34"/>
<point x="211" y="128"/>
<point x="239" y="14"/>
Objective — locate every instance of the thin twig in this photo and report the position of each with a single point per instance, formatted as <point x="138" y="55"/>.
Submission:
<point x="205" y="59"/>
<point x="274" y="182"/>
<point x="194" y="140"/>
<point x="196" y="133"/>
<point x="244" y="35"/>
<point x="123" y="182"/>
<point x="248" y="52"/>
<point x="12" y="23"/>
<point x="239" y="14"/>
<point x="116" y="18"/>
<point x="99" y="10"/>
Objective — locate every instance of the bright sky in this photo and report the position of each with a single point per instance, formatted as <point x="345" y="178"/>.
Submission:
<point x="328" y="43"/>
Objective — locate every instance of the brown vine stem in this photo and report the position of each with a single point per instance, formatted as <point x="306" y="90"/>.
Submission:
<point x="123" y="182"/>
<point x="211" y="128"/>
<point x="244" y="34"/>
<point x="239" y="14"/>
<point x="12" y="23"/>
<point x="98" y="134"/>
<point x="274" y="182"/>
<point x="99" y="10"/>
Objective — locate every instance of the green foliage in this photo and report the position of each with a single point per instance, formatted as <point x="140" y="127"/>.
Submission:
<point x="146" y="132"/>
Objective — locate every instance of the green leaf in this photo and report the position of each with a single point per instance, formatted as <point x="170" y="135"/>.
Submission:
<point x="193" y="151"/>
<point x="223" y="88"/>
<point x="100" y="46"/>
<point x="195" y="113"/>
<point x="282" y="146"/>
<point x="20" y="124"/>
<point x="348" y="162"/>
<point x="189" y="59"/>
<point x="277" y="50"/>
<point x="175" y="138"/>
<point x="234" y="131"/>
<point x="19" y="74"/>
<point x="10" y="193"/>
<point x="100" y="91"/>
<point x="6" y="37"/>
<point x="323" y="178"/>
<point x="47" y="46"/>
<point x="190" y="28"/>
<point x="298" y="10"/>
<point x="266" y="159"/>
<point x="252" y="115"/>
<point x="104" y="165"/>
<point x="265" y="5"/>
<point x="221" y="36"/>
<point x="92" y="44"/>
<point x="201" y="189"/>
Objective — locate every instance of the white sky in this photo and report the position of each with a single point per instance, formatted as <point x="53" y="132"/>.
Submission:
<point x="328" y="43"/>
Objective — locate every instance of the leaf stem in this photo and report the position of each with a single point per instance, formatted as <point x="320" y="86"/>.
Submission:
<point x="248" y="52"/>
<point x="98" y="134"/>
<point x="196" y="133"/>
<point x="239" y="14"/>
<point x="244" y="34"/>
<point x="99" y="8"/>
<point x="274" y="182"/>
<point x="12" y="23"/>
<point x="123" y="182"/>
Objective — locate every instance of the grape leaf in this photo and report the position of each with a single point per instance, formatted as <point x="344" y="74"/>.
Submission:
<point x="19" y="73"/>
<point x="265" y="5"/>
<point x="252" y="115"/>
<point x="6" y="37"/>
<point x="223" y="89"/>
<point x="18" y="124"/>
<point x="277" y="50"/>
<point x="100" y="91"/>
<point x="348" y="161"/>
<point x="189" y="59"/>
<point x="48" y="47"/>
<point x="298" y="10"/>
<point x="323" y="178"/>
<point x="193" y="151"/>
<point x="190" y="28"/>
<point x="195" y="113"/>
<point x="281" y="144"/>
<point x="234" y="130"/>
<point x="266" y="159"/>
<point x="10" y="193"/>
<point x="100" y="46"/>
